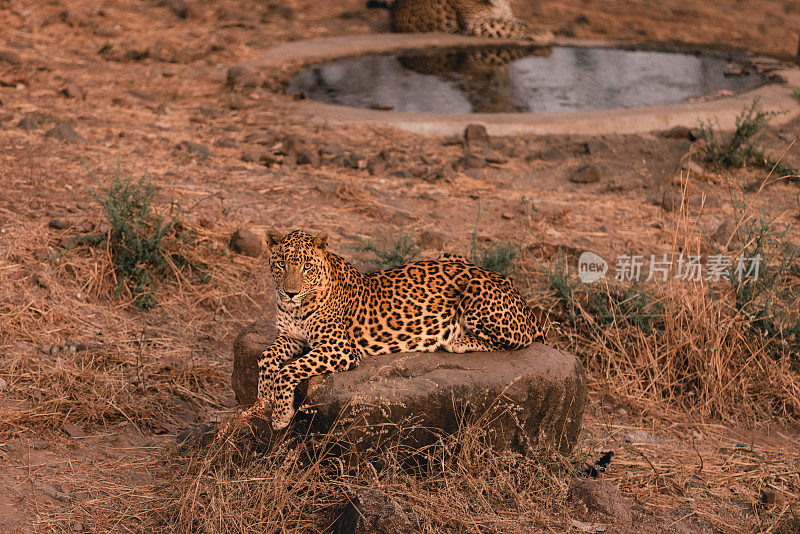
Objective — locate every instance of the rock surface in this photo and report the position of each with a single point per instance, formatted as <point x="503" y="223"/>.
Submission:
<point x="530" y="397"/>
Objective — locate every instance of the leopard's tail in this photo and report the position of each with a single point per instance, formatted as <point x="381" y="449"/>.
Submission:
<point x="380" y="4"/>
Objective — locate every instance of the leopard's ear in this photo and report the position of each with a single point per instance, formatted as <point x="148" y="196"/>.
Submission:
<point x="321" y="241"/>
<point x="274" y="238"/>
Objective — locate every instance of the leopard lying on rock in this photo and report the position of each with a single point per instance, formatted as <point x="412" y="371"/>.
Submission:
<point x="487" y="18"/>
<point x="330" y="314"/>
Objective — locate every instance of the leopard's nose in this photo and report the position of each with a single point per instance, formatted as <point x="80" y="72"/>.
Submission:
<point x="290" y="294"/>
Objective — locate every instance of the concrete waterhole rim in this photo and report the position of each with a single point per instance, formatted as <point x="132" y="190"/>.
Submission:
<point x="774" y="97"/>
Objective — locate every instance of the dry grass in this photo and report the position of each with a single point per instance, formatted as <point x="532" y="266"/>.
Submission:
<point x="693" y="347"/>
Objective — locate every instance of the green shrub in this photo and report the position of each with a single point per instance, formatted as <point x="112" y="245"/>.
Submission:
<point x="139" y="239"/>
<point x="742" y="148"/>
<point x="497" y="257"/>
<point x="393" y="252"/>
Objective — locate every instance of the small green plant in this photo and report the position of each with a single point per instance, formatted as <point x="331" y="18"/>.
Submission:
<point x="497" y="257"/>
<point x="765" y="292"/>
<point x="392" y="253"/>
<point x="796" y="94"/>
<point x="742" y="148"/>
<point x="138" y="236"/>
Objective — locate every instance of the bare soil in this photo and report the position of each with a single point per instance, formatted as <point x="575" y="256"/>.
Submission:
<point x="148" y="80"/>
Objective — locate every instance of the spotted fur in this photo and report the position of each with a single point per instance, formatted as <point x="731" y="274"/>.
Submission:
<point x="488" y="18"/>
<point x="330" y="315"/>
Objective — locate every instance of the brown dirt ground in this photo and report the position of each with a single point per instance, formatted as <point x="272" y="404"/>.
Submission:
<point x="136" y="111"/>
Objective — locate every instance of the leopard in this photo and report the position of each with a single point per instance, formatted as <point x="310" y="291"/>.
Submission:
<point x="330" y="315"/>
<point x="487" y="18"/>
<point x="481" y="73"/>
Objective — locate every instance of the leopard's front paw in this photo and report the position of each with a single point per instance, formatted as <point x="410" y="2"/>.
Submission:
<point x="282" y="415"/>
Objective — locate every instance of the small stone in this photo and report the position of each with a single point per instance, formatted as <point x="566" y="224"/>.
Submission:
<point x="587" y="174"/>
<point x="678" y="132"/>
<point x="600" y="496"/>
<point x="260" y="156"/>
<point x="693" y="168"/>
<point x="554" y="155"/>
<point x="771" y="497"/>
<point x="59" y="224"/>
<point x="310" y="157"/>
<point x="65" y="133"/>
<point x="382" y="107"/>
<point x="473" y="161"/>
<point x="671" y="200"/>
<point x="246" y="242"/>
<point x="225" y="142"/>
<point x="197" y="149"/>
<point x="54" y="349"/>
<point x="476" y="133"/>
<point x="596" y="146"/>
<point x="376" y="166"/>
<point x="418" y="170"/>
<point x="44" y="349"/>
<point x="453" y="140"/>
<point x="106" y="31"/>
<point x="40" y="445"/>
<point x="11" y="57"/>
<point x="725" y="233"/>
<point x="77" y="526"/>
<point x="73" y="431"/>
<point x="73" y="91"/>
<point x="242" y="76"/>
<point x="28" y="123"/>
<point x="494" y="156"/>
<point x="86" y="227"/>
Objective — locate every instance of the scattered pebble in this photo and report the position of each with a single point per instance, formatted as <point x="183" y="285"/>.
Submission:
<point x="73" y="431"/>
<point x="59" y="224"/>
<point x="242" y="76"/>
<point x="246" y="242"/>
<point x="476" y="133"/>
<point x="197" y="149"/>
<point x="588" y="174"/>
<point x="28" y="123"/>
<point x="73" y="91"/>
<point x="65" y="133"/>
<point x="771" y="497"/>
<point x="310" y="157"/>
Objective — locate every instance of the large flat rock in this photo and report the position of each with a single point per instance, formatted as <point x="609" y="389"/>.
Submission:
<point x="527" y="398"/>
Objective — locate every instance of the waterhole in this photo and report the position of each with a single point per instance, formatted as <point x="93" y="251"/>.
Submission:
<point x="512" y="80"/>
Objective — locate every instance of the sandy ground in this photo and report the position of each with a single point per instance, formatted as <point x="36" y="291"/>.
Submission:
<point x="141" y="80"/>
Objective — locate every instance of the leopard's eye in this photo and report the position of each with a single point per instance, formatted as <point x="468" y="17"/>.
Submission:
<point x="307" y="266"/>
<point x="280" y="264"/>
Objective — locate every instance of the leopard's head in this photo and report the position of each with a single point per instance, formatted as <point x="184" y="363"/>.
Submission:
<point x="298" y="262"/>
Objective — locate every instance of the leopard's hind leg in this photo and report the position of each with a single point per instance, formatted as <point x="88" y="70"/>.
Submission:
<point x="492" y="316"/>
